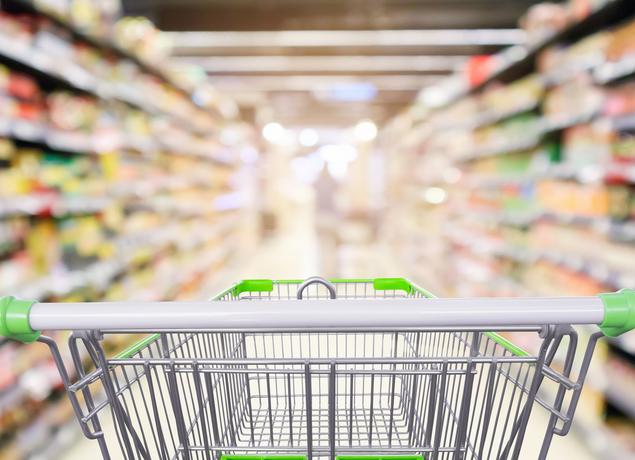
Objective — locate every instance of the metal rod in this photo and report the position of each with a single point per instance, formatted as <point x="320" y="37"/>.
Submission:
<point x="258" y="314"/>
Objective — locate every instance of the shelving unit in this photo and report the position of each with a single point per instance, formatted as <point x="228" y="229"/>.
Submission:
<point x="525" y="185"/>
<point x="512" y="69"/>
<point x="113" y="182"/>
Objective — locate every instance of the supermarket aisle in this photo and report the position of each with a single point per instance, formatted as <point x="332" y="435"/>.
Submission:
<point x="294" y="254"/>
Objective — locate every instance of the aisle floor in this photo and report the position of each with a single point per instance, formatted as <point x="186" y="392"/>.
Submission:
<point x="296" y="255"/>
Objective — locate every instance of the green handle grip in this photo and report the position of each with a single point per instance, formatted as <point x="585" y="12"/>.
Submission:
<point x="619" y="312"/>
<point x="14" y="319"/>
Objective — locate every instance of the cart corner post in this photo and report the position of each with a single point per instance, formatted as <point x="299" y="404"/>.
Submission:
<point x="619" y="312"/>
<point x="14" y="319"/>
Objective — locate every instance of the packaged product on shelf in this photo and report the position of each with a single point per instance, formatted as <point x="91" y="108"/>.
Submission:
<point x="623" y="430"/>
<point x="18" y="29"/>
<point x="580" y="9"/>
<point x="72" y="113"/>
<point x="139" y="35"/>
<point x="55" y="42"/>
<point x="573" y="198"/>
<point x="519" y="132"/>
<point x="521" y="95"/>
<point x="623" y="147"/>
<point x="586" y="145"/>
<point x="620" y="100"/>
<point x="543" y="20"/>
<point x="559" y="63"/>
<point x="576" y="100"/>
<point x="23" y="87"/>
<point x="622" y="43"/>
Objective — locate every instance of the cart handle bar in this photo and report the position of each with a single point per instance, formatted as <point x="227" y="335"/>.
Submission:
<point x="614" y="313"/>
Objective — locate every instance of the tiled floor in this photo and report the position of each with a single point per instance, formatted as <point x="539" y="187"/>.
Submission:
<point x="296" y="255"/>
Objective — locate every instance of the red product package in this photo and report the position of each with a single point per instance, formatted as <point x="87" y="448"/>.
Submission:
<point x="620" y="100"/>
<point x="29" y="111"/>
<point x="23" y="87"/>
<point x="479" y="68"/>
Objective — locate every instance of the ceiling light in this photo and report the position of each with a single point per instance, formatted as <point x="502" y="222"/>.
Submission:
<point x="273" y="132"/>
<point x="338" y="153"/>
<point x="434" y="195"/>
<point x="365" y="131"/>
<point x="308" y="137"/>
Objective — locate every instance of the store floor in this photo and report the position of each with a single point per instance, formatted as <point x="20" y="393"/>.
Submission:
<point x="296" y="255"/>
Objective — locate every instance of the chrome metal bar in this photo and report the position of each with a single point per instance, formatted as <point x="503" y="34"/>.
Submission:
<point x="353" y="313"/>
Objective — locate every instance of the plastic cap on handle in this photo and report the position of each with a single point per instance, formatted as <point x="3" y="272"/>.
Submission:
<point x="14" y="319"/>
<point x="619" y="312"/>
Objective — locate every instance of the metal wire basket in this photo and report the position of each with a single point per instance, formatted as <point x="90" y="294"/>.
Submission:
<point x="321" y="368"/>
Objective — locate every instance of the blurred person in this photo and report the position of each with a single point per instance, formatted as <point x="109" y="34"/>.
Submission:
<point x="326" y="189"/>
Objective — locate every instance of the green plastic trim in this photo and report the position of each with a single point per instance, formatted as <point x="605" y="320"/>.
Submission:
<point x="619" y="312"/>
<point x="263" y="457"/>
<point x="332" y="280"/>
<point x="379" y="457"/>
<point x="137" y="347"/>
<point x="420" y="290"/>
<point x="253" y="286"/>
<point x="14" y="319"/>
<point x="503" y="342"/>
<point x="392" y="284"/>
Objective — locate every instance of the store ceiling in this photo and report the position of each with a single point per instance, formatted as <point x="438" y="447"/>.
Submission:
<point x="331" y="62"/>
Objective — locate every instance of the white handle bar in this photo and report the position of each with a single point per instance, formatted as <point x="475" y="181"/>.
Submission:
<point x="346" y="313"/>
<point x="613" y="312"/>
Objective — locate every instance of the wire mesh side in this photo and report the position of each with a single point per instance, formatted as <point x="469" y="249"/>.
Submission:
<point x="197" y="395"/>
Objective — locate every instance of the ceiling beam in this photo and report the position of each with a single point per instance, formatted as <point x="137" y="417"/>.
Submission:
<point x="325" y="64"/>
<point x="313" y="82"/>
<point x="183" y="41"/>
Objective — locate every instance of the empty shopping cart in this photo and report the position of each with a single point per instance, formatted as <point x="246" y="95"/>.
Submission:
<point x="331" y="369"/>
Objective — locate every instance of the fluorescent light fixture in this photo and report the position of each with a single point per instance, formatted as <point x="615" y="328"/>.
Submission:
<point x="308" y="137"/>
<point x="346" y="38"/>
<point x="347" y="92"/>
<point x="385" y="82"/>
<point x="307" y="64"/>
<point x="365" y="131"/>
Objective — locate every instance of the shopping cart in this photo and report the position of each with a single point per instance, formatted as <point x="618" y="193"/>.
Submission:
<point x="346" y="369"/>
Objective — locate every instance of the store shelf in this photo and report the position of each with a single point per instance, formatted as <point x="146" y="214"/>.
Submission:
<point x="28" y="6"/>
<point x="74" y="77"/>
<point x="528" y="143"/>
<point x="612" y="13"/>
<point x="51" y="204"/>
<point x="621" y="399"/>
<point x="555" y="217"/>
<point x="611" y="72"/>
<point x="595" y="269"/>
<point x="600" y="441"/>
<point x="492" y="117"/>
<point x="552" y="125"/>
<point x="39" y="135"/>
<point x="99" y="274"/>
<point x="115" y="184"/>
